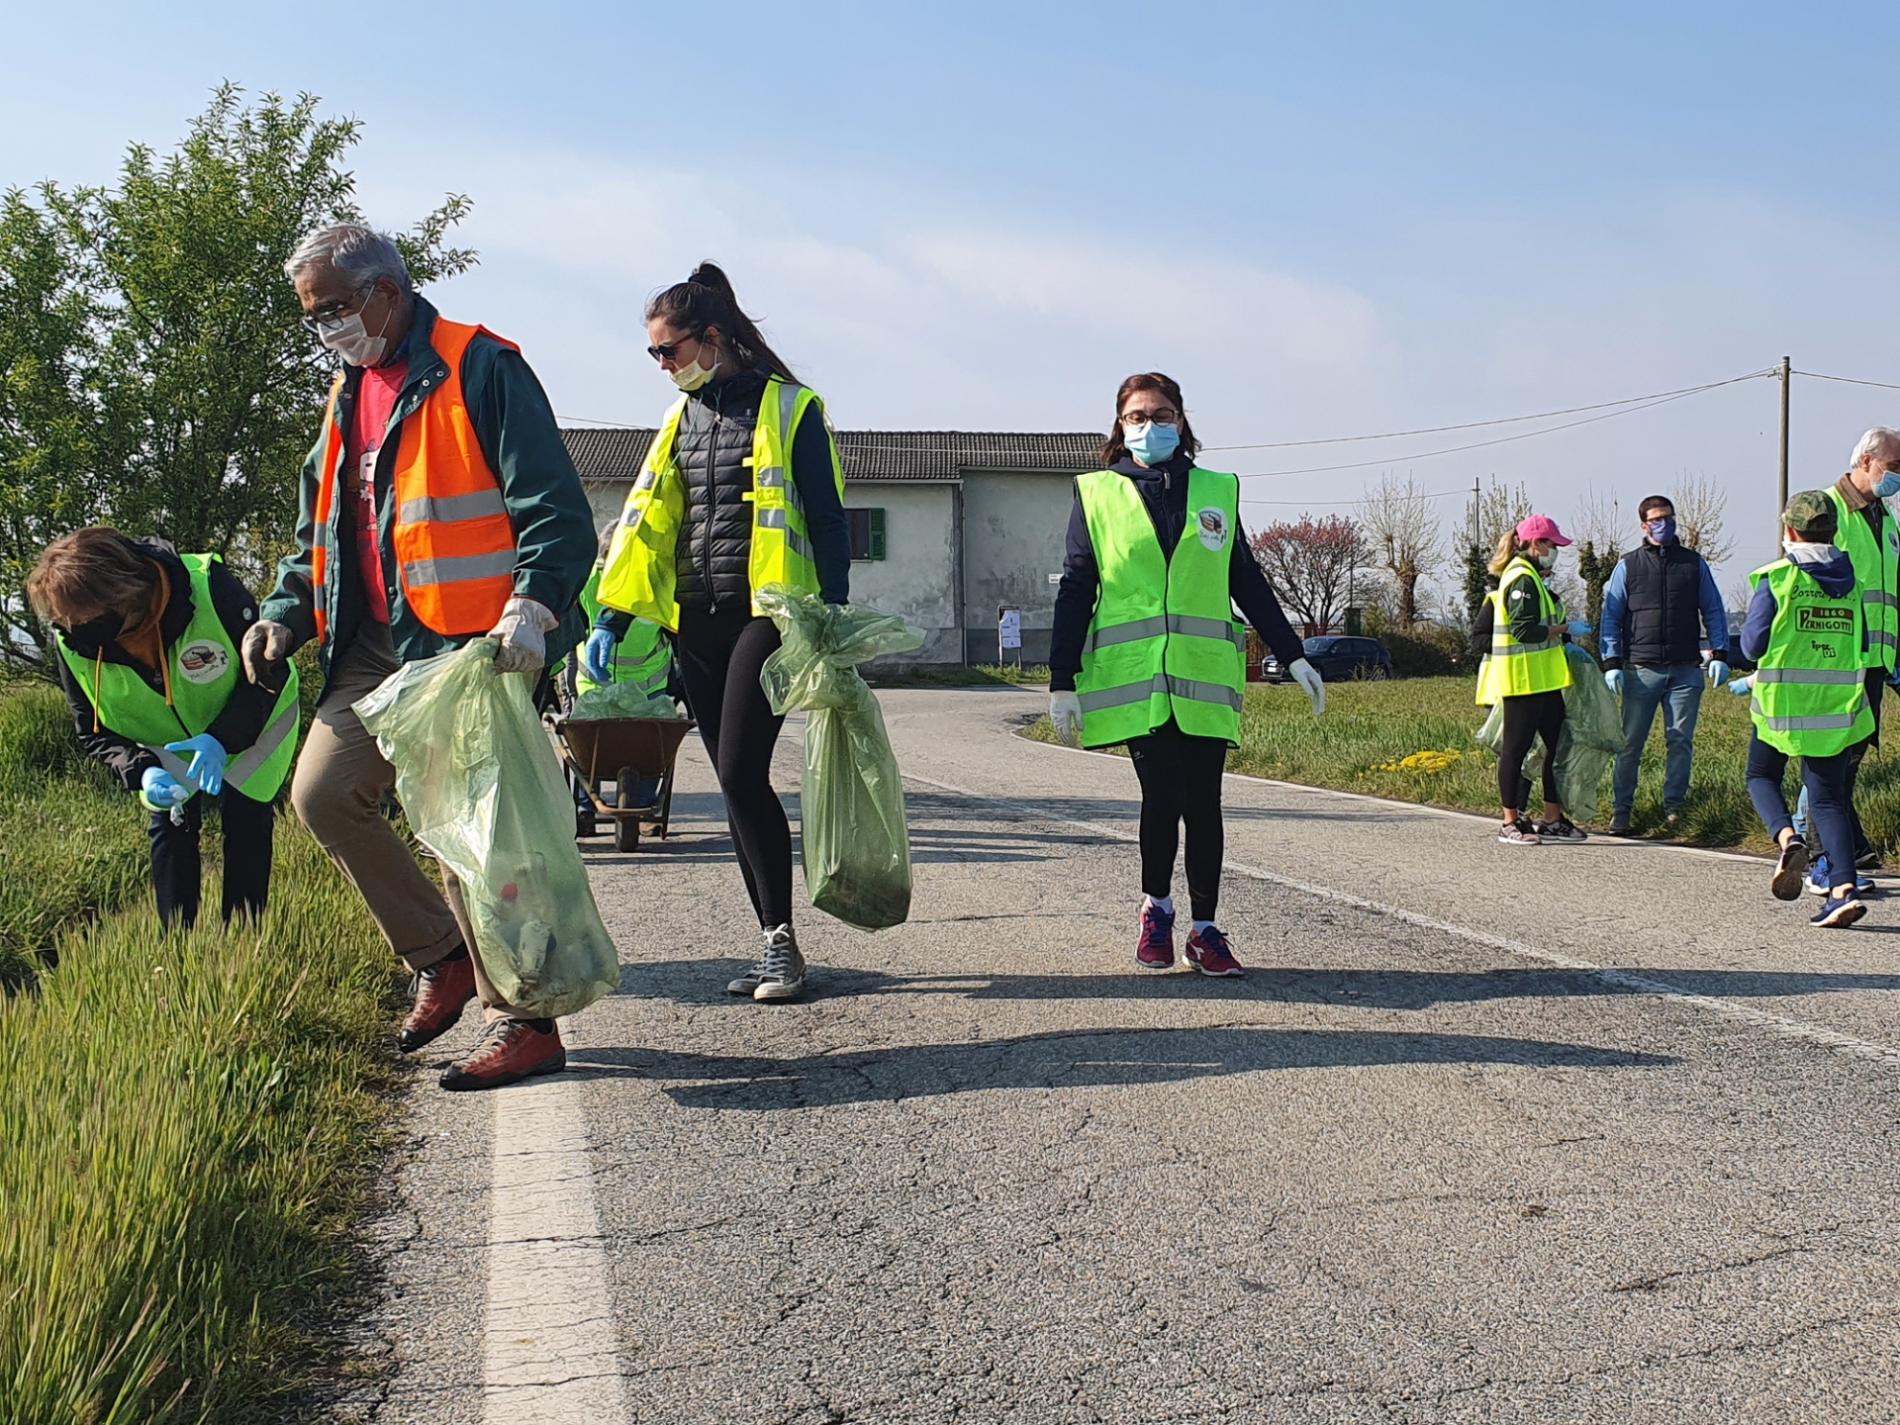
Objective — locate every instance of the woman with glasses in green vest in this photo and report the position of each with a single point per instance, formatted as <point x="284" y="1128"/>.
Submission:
<point x="1146" y="652"/>
<point x="148" y="654"/>
<point x="1526" y="669"/>
<point x="741" y="488"/>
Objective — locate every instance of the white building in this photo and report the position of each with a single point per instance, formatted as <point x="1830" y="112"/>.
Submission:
<point x="947" y="527"/>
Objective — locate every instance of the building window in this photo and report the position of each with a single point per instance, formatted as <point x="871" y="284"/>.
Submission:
<point x="867" y="533"/>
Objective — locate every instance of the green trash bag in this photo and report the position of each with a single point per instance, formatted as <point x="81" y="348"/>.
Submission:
<point x="480" y="784"/>
<point x="1592" y="736"/>
<point x="619" y="700"/>
<point x="852" y="829"/>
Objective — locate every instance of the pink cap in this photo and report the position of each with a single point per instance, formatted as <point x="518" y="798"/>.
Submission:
<point x="1537" y="527"/>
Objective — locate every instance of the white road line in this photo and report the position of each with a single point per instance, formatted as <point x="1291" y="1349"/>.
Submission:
<point x="1780" y="1026"/>
<point x="550" y="1353"/>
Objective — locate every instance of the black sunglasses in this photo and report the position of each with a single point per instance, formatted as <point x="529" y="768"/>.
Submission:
<point x="668" y="351"/>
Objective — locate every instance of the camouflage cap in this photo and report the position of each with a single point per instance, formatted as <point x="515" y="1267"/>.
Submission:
<point x="1811" y="513"/>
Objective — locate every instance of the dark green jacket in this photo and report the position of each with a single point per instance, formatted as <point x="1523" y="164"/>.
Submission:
<point x="554" y="526"/>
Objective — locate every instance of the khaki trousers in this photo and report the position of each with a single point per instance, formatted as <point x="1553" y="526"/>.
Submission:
<point x="338" y="790"/>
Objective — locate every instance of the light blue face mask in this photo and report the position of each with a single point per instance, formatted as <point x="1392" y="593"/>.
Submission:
<point x="1888" y="486"/>
<point x="1151" y="442"/>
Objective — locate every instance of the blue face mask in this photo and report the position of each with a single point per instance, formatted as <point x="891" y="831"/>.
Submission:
<point x="1151" y="443"/>
<point x="1663" y="531"/>
<point x="1888" y="487"/>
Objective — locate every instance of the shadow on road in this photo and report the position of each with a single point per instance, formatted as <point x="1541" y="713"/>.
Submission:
<point x="1068" y="1059"/>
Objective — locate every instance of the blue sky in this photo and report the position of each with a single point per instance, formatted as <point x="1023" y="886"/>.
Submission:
<point x="1322" y="220"/>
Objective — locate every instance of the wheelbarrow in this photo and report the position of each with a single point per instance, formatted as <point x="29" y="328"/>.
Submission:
<point x="637" y="755"/>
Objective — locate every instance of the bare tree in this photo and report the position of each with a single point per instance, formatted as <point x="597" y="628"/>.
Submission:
<point x="1500" y="507"/>
<point x="1402" y="528"/>
<point x="1700" y="505"/>
<point x="1310" y="563"/>
<point x="1601" y="521"/>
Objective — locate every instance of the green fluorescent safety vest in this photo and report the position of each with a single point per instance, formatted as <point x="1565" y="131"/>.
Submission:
<point x="1811" y="686"/>
<point x="1877" y="573"/>
<point x="643" y="657"/>
<point x="1514" y="669"/>
<point x="641" y="577"/>
<point x="1163" y="642"/>
<point x="201" y="672"/>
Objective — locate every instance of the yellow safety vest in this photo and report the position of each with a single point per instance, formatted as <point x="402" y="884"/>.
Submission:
<point x="1514" y="669"/>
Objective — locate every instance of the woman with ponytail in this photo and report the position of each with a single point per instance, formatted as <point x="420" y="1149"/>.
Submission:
<point x="741" y="488"/>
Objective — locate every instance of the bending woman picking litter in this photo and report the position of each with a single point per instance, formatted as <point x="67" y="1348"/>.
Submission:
<point x="1146" y="650"/>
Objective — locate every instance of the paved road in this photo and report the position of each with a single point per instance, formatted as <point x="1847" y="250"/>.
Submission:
<point x="1593" y="1133"/>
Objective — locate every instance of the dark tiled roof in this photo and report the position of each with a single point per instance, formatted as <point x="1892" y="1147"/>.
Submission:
<point x="615" y="453"/>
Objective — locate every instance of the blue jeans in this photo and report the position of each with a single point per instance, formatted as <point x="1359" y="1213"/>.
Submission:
<point x="1825" y="784"/>
<point x="1680" y="687"/>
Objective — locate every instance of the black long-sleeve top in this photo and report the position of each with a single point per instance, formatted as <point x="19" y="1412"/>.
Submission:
<point x="1164" y="493"/>
<point x="244" y="714"/>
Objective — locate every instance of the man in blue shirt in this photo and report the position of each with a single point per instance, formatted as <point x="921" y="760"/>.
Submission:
<point x="1655" y="608"/>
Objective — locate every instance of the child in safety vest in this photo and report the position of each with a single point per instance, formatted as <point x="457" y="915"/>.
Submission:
<point x="1807" y="633"/>
<point x="148" y="653"/>
<point x="1526" y="671"/>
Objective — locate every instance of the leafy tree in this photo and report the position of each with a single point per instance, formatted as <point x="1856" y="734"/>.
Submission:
<point x="1477" y="581"/>
<point x="1310" y="563"/>
<point x="156" y="378"/>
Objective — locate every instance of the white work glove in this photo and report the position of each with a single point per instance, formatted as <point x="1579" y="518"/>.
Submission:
<point x="1314" y="686"/>
<point x="264" y="643"/>
<point x="523" y="633"/>
<point x="1065" y="711"/>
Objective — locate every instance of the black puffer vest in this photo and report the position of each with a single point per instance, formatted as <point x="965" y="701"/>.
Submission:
<point x="715" y="442"/>
<point x="1662" y="592"/>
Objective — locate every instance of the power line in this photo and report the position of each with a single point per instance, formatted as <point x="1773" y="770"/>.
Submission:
<point x="1848" y="380"/>
<point x="1310" y="504"/>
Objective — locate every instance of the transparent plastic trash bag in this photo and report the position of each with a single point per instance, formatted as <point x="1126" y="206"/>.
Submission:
<point x="483" y="791"/>
<point x="619" y="700"/>
<point x="852" y="829"/>
<point x="1592" y="736"/>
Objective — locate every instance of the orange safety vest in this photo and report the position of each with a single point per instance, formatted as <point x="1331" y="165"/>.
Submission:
<point x="454" y="542"/>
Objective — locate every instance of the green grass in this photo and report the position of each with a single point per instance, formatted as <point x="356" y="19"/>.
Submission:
<point x="975" y="675"/>
<point x="186" y="1126"/>
<point x="1369" y="726"/>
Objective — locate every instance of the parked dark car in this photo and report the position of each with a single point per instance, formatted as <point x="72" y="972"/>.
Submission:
<point x="1337" y="658"/>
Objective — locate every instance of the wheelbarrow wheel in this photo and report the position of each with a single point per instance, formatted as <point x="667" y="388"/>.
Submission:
<point x="586" y="824"/>
<point x="626" y="828"/>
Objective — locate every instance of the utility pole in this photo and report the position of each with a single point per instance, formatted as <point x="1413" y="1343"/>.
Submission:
<point x="1781" y="503"/>
<point x="1476" y="538"/>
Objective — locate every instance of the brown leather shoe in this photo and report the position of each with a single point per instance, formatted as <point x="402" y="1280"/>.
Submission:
<point x="511" y="1050"/>
<point x="442" y="993"/>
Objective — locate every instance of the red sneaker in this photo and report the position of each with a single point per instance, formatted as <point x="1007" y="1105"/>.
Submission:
<point x="1207" y="952"/>
<point x="1155" y="949"/>
<point x="510" y="1051"/>
<point x="442" y="993"/>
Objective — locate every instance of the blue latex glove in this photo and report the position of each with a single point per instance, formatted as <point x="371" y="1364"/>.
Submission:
<point x="1613" y="680"/>
<point x="1718" y="671"/>
<point x="1579" y="628"/>
<point x="597" y="657"/>
<point x="160" y="791"/>
<point x="206" y="771"/>
<point x="1741" y="687"/>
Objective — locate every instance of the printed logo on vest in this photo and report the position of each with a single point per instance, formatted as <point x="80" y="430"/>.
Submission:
<point x="1824" y="618"/>
<point x="1211" y="525"/>
<point x="203" y="661"/>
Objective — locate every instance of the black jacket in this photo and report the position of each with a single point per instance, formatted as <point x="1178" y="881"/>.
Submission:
<point x="713" y="558"/>
<point x="244" y="714"/>
<point x="1164" y="492"/>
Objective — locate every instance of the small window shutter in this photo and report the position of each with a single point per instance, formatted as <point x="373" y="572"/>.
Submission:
<point x="876" y="540"/>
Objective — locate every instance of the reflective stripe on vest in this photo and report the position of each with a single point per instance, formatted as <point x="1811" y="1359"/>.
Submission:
<point x="203" y="673"/>
<point x="1163" y="644"/>
<point x="1811" y="688"/>
<point x="1514" y="669"/>
<point x="1877" y="573"/>
<point x="640" y="576"/>
<point x="452" y="542"/>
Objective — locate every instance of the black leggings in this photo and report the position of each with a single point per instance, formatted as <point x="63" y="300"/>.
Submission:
<point x="1180" y="781"/>
<point x="1528" y="717"/>
<point x="177" y="868"/>
<point x="720" y="655"/>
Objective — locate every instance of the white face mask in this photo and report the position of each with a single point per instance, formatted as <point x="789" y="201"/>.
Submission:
<point x="349" y="339"/>
<point x="691" y="378"/>
<point x="1801" y="553"/>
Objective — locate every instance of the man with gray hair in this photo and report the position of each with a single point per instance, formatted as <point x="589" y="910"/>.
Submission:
<point x="1867" y="533"/>
<point x="439" y="505"/>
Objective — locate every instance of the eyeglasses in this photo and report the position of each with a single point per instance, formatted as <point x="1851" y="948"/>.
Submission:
<point x="1160" y="418"/>
<point x="670" y="350"/>
<point x="329" y="312"/>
